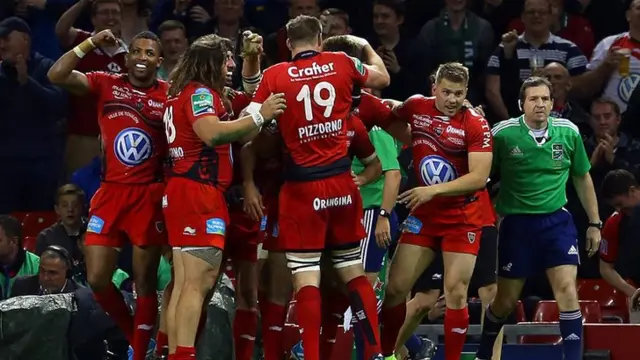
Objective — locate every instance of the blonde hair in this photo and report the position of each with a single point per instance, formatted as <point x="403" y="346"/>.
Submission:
<point x="452" y="71"/>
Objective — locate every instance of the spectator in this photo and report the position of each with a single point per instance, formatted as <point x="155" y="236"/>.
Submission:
<point x="519" y="57"/>
<point x="399" y="53"/>
<point x="620" y="249"/>
<point x="53" y="277"/>
<point x="67" y="231"/>
<point x="605" y="70"/>
<point x="334" y="22"/>
<point x="14" y="260"/>
<point x="173" y="37"/>
<point x="83" y="144"/>
<point x="563" y="107"/>
<point x="572" y="27"/>
<point x="29" y="135"/>
<point x="606" y="17"/>
<point x="459" y="35"/>
<point x="275" y="45"/>
<point x="88" y="178"/>
<point x="134" y="19"/>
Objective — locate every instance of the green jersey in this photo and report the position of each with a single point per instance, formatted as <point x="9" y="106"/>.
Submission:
<point x="164" y="275"/>
<point x="30" y="266"/>
<point x="387" y="149"/>
<point x="534" y="174"/>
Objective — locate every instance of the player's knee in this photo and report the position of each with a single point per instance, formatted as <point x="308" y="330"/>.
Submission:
<point x="247" y="296"/>
<point x="396" y="291"/>
<point x="566" y="295"/>
<point x="503" y="304"/>
<point x="487" y="293"/>
<point x="98" y="280"/>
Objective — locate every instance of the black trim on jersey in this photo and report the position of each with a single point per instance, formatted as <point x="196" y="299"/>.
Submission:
<point x="206" y="169"/>
<point x="305" y="55"/>
<point x="295" y="172"/>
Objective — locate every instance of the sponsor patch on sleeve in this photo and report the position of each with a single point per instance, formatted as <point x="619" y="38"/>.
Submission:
<point x="216" y="226"/>
<point x="95" y="225"/>
<point x="263" y="223"/>
<point x="358" y="65"/>
<point x="202" y="103"/>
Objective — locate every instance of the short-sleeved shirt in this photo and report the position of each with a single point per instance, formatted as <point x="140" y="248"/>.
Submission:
<point x="556" y="49"/>
<point x="610" y="238"/>
<point x="388" y="150"/>
<point x="131" y="128"/>
<point x="191" y="157"/>
<point x="358" y="142"/>
<point x="318" y="89"/>
<point x="82" y="119"/>
<point x="441" y="147"/>
<point x="533" y="175"/>
<point x="619" y="88"/>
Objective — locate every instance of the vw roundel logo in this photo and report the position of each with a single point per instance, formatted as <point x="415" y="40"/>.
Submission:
<point x="436" y="170"/>
<point x="132" y="146"/>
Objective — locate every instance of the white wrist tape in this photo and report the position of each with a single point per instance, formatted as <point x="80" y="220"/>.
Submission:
<point x="79" y="53"/>
<point x="257" y="119"/>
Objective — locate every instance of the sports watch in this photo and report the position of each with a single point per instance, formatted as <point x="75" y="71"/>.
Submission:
<point x="597" y="225"/>
<point x="384" y="213"/>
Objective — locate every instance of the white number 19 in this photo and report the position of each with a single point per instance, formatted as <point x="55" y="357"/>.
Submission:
<point x="305" y="96"/>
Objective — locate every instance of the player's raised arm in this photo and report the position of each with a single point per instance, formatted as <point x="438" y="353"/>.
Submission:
<point x="378" y="76"/>
<point x="252" y="49"/>
<point x="62" y="73"/>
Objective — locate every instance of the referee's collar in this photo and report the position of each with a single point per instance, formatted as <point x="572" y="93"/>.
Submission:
<point x="550" y="127"/>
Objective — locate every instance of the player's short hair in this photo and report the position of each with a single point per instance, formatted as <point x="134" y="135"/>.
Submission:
<point x="12" y="227"/>
<point x="617" y="182"/>
<point x="607" y="101"/>
<point x="69" y="189"/>
<point x="202" y="62"/>
<point x="534" y="81"/>
<point x="303" y="29"/>
<point x="339" y="13"/>
<point x="96" y="4"/>
<point x="344" y="44"/>
<point x="171" y="25"/>
<point x="398" y="6"/>
<point x="452" y="71"/>
<point x="147" y="35"/>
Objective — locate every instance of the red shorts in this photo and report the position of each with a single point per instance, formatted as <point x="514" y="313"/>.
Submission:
<point x="126" y="211"/>
<point x="243" y="236"/>
<point x="458" y="238"/>
<point x="321" y="214"/>
<point x="196" y="214"/>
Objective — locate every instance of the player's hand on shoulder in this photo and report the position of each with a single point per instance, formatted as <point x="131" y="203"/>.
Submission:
<point x="273" y="107"/>
<point x="104" y="38"/>
<point x="417" y="196"/>
<point x="252" y="44"/>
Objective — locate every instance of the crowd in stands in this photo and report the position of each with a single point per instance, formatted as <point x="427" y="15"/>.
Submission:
<point x="588" y="49"/>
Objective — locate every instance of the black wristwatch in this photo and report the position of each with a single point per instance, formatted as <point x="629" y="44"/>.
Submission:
<point x="597" y="225"/>
<point x="384" y="213"/>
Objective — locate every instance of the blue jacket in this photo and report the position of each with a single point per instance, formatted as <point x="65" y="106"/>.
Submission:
<point x="88" y="177"/>
<point x="31" y="114"/>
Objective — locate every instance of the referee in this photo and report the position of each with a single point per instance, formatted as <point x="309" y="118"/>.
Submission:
<point x="534" y="156"/>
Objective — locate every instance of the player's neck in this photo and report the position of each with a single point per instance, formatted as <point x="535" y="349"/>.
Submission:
<point x="142" y="84"/>
<point x="390" y="40"/>
<point x="303" y="48"/>
<point x="634" y="33"/>
<point x="534" y="125"/>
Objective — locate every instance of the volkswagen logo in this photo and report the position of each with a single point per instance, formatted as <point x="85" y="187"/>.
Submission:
<point x="436" y="170"/>
<point x="132" y="146"/>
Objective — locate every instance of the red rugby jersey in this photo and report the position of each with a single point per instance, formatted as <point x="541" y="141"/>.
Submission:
<point x="130" y="119"/>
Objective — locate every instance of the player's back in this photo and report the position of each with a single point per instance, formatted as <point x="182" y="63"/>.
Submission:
<point x="190" y="156"/>
<point x="318" y="89"/>
<point x="130" y="120"/>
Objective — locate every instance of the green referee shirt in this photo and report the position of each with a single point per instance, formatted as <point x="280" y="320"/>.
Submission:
<point x="387" y="149"/>
<point x="533" y="176"/>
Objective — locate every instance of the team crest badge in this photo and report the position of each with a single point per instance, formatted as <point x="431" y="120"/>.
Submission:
<point x="557" y="152"/>
<point x="471" y="236"/>
<point x="139" y="105"/>
<point x="439" y="130"/>
<point x="159" y="226"/>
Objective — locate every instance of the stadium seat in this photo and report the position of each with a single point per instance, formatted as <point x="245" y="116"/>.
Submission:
<point x="547" y="312"/>
<point x="613" y="303"/>
<point x="29" y="243"/>
<point x="19" y="215"/>
<point x="34" y="222"/>
<point x="520" y="314"/>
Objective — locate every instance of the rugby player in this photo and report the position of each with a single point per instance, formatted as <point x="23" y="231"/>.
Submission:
<point x="452" y="150"/>
<point x="534" y="157"/>
<point x="319" y="204"/>
<point x="128" y="203"/>
<point x="199" y="133"/>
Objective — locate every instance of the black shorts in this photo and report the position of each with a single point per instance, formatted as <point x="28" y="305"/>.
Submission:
<point x="484" y="273"/>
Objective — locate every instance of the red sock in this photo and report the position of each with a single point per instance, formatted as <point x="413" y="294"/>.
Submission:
<point x="364" y="306"/>
<point x="112" y="302"/>
<point x="185" y="353"/>
<point x="144" y="321"/>
<point x="308" y="307"/>
<point x="456" y="323"/>
<point x="162" y="341"/>
<point x="392" y="319"/>
<point x="273" y="316"/>
<point x="334" y="304"/>
<point x="245" y="326"/>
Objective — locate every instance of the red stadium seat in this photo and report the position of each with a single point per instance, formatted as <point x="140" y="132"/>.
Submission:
<point x="19" y="215"/>
<point x="520" y="314"/>
<point x="34" y="222"/>
<point x="613" y="303"/>
<point x="547" y="312"/>
<point x="29" y="243"/>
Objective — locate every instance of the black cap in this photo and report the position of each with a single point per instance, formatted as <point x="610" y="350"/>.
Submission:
<point x="14" y="23"/>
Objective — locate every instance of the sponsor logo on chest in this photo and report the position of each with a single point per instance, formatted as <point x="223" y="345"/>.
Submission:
<point x="315" y="70"/>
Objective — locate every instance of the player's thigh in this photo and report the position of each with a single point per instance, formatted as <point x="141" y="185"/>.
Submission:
<point x="106" y="212"/>
<point x="302" y="223"/>
<point x="344" y="206"/>
<point x="409" y="261"/>
<point x="178" y="267"/>
<point x="242" y="239"/>
<point x="484" y="273"/>
<point x="280" y="285"/>
<point x="507" y="295"/>
<point x="563" y="283"/>
<point x="518" y="248"/>
<point x="431" y="279"/>
<point x="195" y="214"/>
<point x="100" y="262"/>
<point x="144" y="221"/>
<point x="305" y="268"/>
<point x="201" y="265"/>
<point x="372" y="255"/>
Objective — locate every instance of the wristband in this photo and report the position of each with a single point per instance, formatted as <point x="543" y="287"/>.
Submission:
<point x="83" y="48"/>
<point x="258" y="119"/>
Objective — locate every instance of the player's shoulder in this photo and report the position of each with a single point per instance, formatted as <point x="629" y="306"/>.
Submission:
<point x="505" y="127"/>
<point x="613" y="220"/>
<point x="163" y="85"/>
<point x="472" y="114"/>
<point x="106" y="75"/>
<point x="419" y="99"/>
<point x="565" y="126"/>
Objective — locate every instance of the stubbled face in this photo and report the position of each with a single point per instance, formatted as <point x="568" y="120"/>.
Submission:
<point x="52" y="274"/>
<point x="537" y="103"/>
<point x="449" y="96"/>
